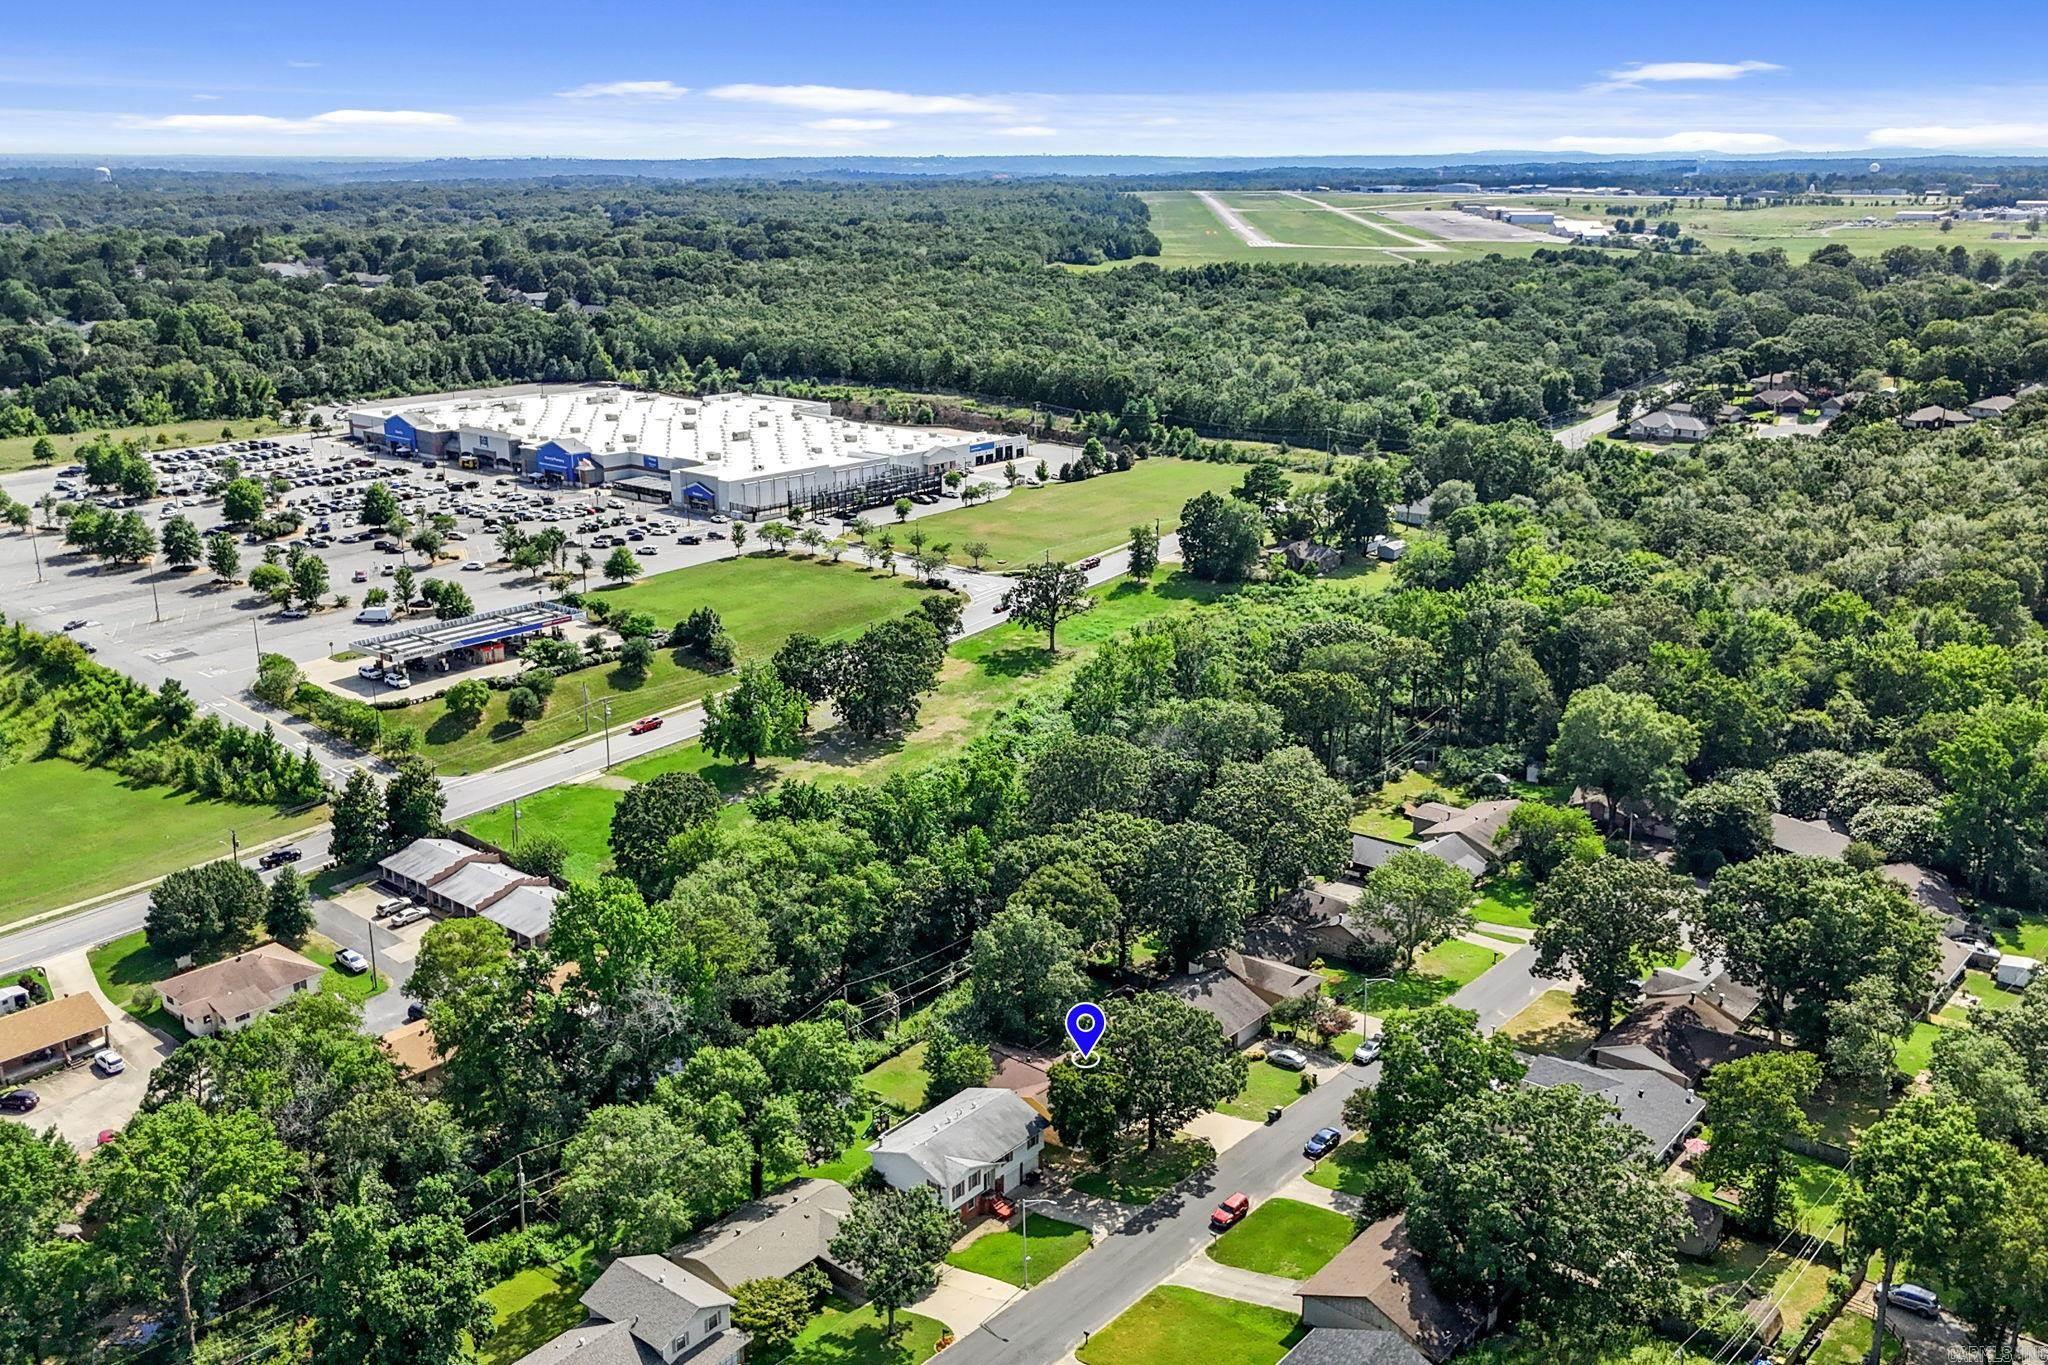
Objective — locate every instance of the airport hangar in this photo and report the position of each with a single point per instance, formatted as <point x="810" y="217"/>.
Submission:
<point x="737" y="453"/>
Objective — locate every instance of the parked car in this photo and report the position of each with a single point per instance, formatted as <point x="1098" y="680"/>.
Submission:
<point x="1092" y="562"/>
<point x="372" y="670"/>
<point x="391" y="907"/>
<point x="107" y="1135"/>
<point x="1230" y="1213"/>
<point x="351" y="961"/>
<point x="1287" y="1059"/>
<point x="415" y="1012"/>
<point x="412" y="914"/>
<point x="109" y="1062"/>
<point x="1366" y="1052"/>
<point x="1321" y="1143"/>
<point x="644" y="724"/>
<point x="1914" y="1299"/>
<point x="19" y="1101"/>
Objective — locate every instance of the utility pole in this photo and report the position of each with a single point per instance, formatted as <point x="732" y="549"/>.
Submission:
<point x="515" y="822"/>
<point x="35" y="544"/>
<point x="259" y="642"/>
<point x="607" y="733"/>
<point x="520" y="1162"/>
<point x="586" y="708"/>
<point x="235" y="844"/>
<point x="155" y="603"/>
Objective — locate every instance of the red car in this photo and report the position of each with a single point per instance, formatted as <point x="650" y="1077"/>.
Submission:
<point x="644" y="724"/>
<point x="1229" y="1213"/>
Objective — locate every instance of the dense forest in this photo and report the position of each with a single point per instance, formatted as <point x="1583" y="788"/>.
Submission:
<point x="142" y="308"/>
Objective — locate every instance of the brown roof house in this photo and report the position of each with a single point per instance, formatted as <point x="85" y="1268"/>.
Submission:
<point x="1378" y="1283"/>
<point x="1673" y="1039"/>
<point x="53" y="1034"/>
<point x="1239" y="992"/>
<point x="224" y="996"/>
<point x="1467" y="839"/>
<point x="773" y="1238"/>
<point x="411" y="1047"/>
<point x="1808" y="838"/>
<point x="1720" y="1000"/>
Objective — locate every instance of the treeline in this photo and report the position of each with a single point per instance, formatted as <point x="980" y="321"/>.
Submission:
<point x="57" y="703"/>
<point x="924" y="288"/>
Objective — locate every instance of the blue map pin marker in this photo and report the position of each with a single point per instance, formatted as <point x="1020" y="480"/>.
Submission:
<point x="1085" y="1023"/>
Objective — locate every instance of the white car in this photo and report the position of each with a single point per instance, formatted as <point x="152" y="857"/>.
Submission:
<point x="412" y="914"/>
<point x="473" y="566"/>
<point x="351" y="961"/>
<point x="1366" y="1052"/>
<point x="371" y="671"/>
<point x="397" y="678"/>
<point x="109" y="1062"/>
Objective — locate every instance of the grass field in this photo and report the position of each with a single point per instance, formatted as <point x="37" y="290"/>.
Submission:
<point x="1547" y="1024"/>
<point x="534" y="1306"/>
<point x="1916" y="1049"/>
<point x="1283" y="1237"/>
<point x="762" y="600"/>
<point x="126" y="969"/>
<point x="900" y="1080"/>
<point x="1172" y="1325"/>
<point x="1137" y="1178"/>
<point x="1000" y="1255"/>
<point x="1436" y="974"/>
<point x="2028" y="938"/>
<point x="855" y="1336"/>
<point x="1265" y="1086"/>
<point x="1507" y="900"/>
<point x="357" y="987"/>
<point x="580" y="815"/>
<point x="1072" y="520"/>
<point x="114" y="833"/>
<point x="16" y="452"/>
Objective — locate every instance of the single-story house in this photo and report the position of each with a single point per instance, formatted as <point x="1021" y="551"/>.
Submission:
<point x="1663" y="1111"/>
<point x="1673" y="1039"/>
<point x="773" y="1237"/>
<point x="1934" y="417"/>
<point x="1328" y="926"/>
<point x="1378" y="1283"/>
<point x="1953" y="959"/>
<point x="1239" y="992"/>
<point x="2016" y="973"/>
<point x="50" y="1035"/>
<point x="1933" y="893"/>
<point x="1666" y="425"/>
<point x="1368" y="851"/>
<point x="224" y="996"/>
<point x="1468" y="838"/>
<point x="1305" y="556"/>
<point x="1835" y="406"/>
<point x="1635" y="818"/>
<point x="411" y="1047"/>
<point x="1417" y="513"/>
<point x="1807" y="838"/>
<point x="646" y="1310"/>
<point x="1777" y="379"/>
<point x="1784" y="400"/>
<point x="970" y="1151"/>
<point x="1985" y="409"/>
<point x="1721" y="1002"/>
<point x="456" y="879"/>
<point x="1364" y="1346"/>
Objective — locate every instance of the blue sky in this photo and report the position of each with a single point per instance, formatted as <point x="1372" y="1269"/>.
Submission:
<point x="679" y="78"/>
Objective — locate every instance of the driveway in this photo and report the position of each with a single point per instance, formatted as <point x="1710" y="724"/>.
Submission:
<point x="965" y="1300"/>
<point x="1938" y="1341"/>
<point x="1228" y="1282"/>
<point x="79" y="1102"/>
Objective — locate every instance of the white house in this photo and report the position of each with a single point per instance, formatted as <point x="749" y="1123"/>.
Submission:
<point x="224" y="996"/>
<point x="2016" y="973"/>
<point x="975" y="1147"/>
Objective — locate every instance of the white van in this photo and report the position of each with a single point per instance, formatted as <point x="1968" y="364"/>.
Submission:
<point x="375" y="616"/>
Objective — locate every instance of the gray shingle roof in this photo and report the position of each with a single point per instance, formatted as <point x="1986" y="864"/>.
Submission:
<point x="1660" y="1110"/>
<point x="975" y="1129"/>
<point x="527" y="910"/>
<point x="1331" y="1346"/>
<point x="653" y="1295"/>
<point x="1808" y="838"/>
<point x="1234" y="1005"/>
<point x="423" y="860"/>
<point x="776" y="1236"/>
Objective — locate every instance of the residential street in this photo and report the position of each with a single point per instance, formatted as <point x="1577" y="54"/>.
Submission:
<point x="1054" y="1318"/>
<point x="1505" y="989"/>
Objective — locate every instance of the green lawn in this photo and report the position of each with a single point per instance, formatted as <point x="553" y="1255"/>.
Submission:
<point x="16" y="451"/>
<point x="1813" y="1198"/>
<point x="2029" y="938"/>
<point x="1138" y="1178"/>
<point x="762" y="600"/>
<point x="1265" y="1086"/>
<point x="853" y="1161"/>
<point x="580" y="815"/>
<point x="1283" y="1237"/>
<point x="1436" y="975"/>
<point x="1547" y="1024"/>
<point x="356" y="987"/>
<point x="1383" y="819"/>
<point x="1172" y="1326"/>
<point x="1847" y="1342"/>
<point x="1641" y="1348"/>
<point x="1991" y="996"/>
<point x="1001" y="1254"/>
<point x="855" y="1336"/>
<point x="114" y="833"/>
<point x="126" y="968"/>
<point x="900" y="1080"/>
<point x="1507" y="900"/>
<point x="535" y="1306"/>
<point x="1916" y="1049"/>
<point x="1069" y="521"/>
<point x="1842" y="1112"/>
<point x="1344" y="1169"/>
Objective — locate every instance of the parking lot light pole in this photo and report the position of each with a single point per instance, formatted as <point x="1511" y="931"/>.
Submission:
<point x="154" y="603"/>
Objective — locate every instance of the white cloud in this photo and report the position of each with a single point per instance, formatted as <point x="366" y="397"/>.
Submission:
<point x="1026" y="130"/>
<point x="851" y="125"/>
<point x="1643" y="72"/>
<point x="1162" y="121"/>
<point x="625" y="90"/>
<point x="270" y="123"/>
<point x="1969" y="135"/>
<point x="206" y="97"/>
<point x="384" y="118"/>
<point x="839" y="99"/>
<point x="1675" y="142"/>
<point x="303" y="66"/>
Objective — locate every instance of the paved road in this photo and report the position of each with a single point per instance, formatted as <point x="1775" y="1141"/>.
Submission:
<point x="37" y="942"/>
<point x="1505" y="989"/>
<point x="1050" y="1321"/>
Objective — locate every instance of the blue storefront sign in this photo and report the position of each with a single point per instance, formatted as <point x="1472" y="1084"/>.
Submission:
<point x="649" y="462"/>
<point x="981" y="447"/>
<point x="399" y="434"/>
<point x="552" y="459"/>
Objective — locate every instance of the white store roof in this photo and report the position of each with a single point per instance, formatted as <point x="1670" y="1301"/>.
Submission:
<point x="730" y="434"/>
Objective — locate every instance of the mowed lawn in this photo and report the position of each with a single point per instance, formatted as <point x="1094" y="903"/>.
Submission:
<point x="1283" y="1237"/>
<point x="1070" y="521"/>
<point x="1000" y="1255"/>
<point x="84" y="831"/>
<point x="1265" y="1087"/>
<point x="534" y="1306"/>
<point x="17" y="452"/>
<point x="580" y="815"/>
<point x="1172" y="1325"/>
<point x="856" y="1336"/>
<point x="761" y="600"/>
<point x="127" y="970"/>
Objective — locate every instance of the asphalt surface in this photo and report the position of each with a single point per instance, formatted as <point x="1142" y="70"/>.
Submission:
<point x="1503" y="990"/>
<point x="1053" y="1319"/>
